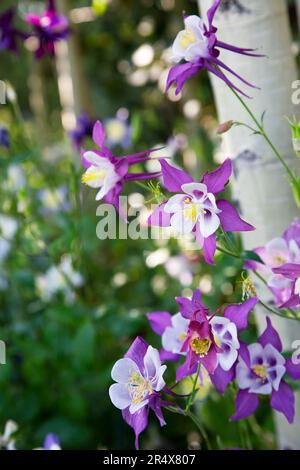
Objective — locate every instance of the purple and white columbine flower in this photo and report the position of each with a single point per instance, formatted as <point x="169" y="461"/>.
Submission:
<point x="9" y="35"/>
<point x="209" y="339"/>
<point x="118" y="132"/>
<point x="139" y="377"/>
<point x="48" y="28"/>
<point x="196" y="208"/>
<point x="278" y="255"/>
<point x="198" y="46"/>
<point x="260" y="371"/>
<point x="84" y="128"/>
<point x="52" y="442"/>
<point x="107" y="172"/>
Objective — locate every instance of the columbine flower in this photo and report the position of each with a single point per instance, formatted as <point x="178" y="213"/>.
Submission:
<point x="277" y="253"/>
<point x="9" y="35"/>
<point x="49" y="28"/>
<point x="196" y="209"/>
<point x="292" y="272"/>
<point x="260" y="371"/>
<point x="107" y="172"/>
<point x="84" y="128"/>
<point x="139" y="377"/>
<point x="4" y="137"/>
<point x="118" y="132"/>
<point x="199" y="47"/>
<point x="210" y="340"/>
<point x="6" y="440"/>
<point x="52" y="442"/>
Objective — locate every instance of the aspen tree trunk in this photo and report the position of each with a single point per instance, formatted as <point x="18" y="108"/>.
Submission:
<point x="260" y="186"/>
<point x="72" y="83"/>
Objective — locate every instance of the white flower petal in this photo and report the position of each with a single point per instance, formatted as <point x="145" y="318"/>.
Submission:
<point x="209" y="224"/>
<point x="196" y="190"/>
<point x="182" y="224"/>
<point x="119" y="396"/>
<point x="175" y="204"/>
<point x="123" y="369"/>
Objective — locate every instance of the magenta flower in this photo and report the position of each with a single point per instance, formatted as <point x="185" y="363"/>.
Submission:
<point x="107" y="172"/>
<point x="198" y="46"/>
<point x="210" y="340"/>
<point x="139" y="381"/>
<point x="9" y="35"/>
<point x="196" y="208"/>
<point x="275" y="255"/>
<point x="260" y="371"/>
<point x="48" y="28"/>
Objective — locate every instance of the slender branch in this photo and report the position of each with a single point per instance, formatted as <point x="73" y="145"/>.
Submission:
<point x="193" y="393"/>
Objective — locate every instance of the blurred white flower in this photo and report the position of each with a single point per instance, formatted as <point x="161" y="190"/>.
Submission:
<point x="6" y="440"/>
<point x="61" y="278"/>
<point x="8" y="228"/>
<point x="179" y="268"/>
<point x="54" y="200"/>
<point x="15" y="178"/>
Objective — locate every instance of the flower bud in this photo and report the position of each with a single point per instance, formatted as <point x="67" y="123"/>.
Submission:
<point x="225" y="127"/>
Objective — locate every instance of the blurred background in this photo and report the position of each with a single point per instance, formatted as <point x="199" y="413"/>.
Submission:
<point x="71" y="304"/>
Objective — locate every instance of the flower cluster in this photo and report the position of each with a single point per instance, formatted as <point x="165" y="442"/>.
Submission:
<point x="107" y="172"/>
<point x="199" y="47"/>
<point x="196" y="208"/>
<point x="46" y="29"/>
<point x="281" y="266"/>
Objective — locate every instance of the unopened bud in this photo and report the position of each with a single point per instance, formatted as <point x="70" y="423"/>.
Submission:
<point x="225" y="127"/>
<point x="295" y="128"/>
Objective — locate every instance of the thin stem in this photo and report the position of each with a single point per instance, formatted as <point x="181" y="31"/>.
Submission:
<point x="227" y="252"/>
<point x="197" y="422"/>
<point x="192" y="395"/>
<point x="276" y="312"/>
<point x="265" y="135"/>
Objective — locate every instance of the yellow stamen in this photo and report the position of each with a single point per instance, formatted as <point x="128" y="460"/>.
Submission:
<point x="187" y="38"/>
<point x="92" y="176"/>
<point x="261" y="371"/>
<point x="138" y="388"/>
<point x="200" y="346"/>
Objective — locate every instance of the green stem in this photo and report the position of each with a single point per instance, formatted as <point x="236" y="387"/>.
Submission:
<point x="193" y="393"/>
<point x="276" y="312"/>
<point x="227" y="252"/>
<point x="197" y="422"/>
<point x="265" y="135"/>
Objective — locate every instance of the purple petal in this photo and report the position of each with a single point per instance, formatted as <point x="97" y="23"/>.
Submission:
<point x="217" y="180"/>
<point x="137" y="351"/>
<point x="211" y="14"/>
<point x="245" y="405"/>
<point x="197" y="298"/>
<point x="210" y="361"/>
<point x="138" y="421"/>
<point x="51" y="440"/>
<point x="284" y="401"/>
<point x="159" y="218"/>
<point x="187" y="368"/>
<point x="173" y="177"/>
<point x="209" y="249"/>
<point x="230" y="219"/>
<point x="155" y="405"/>
<point x="99" y="134"/>
<point x="270" y="336"/>
<point x="179" y="74"/>
<point x="293" y="232"/>
<point x="293" y="370"/>
<point x="222" y="378"/>
<point x="294" y="301"/>
<point x="159" y="321"/>
<point x="238" y="314"/>
<point x="244" y="354"/>
<point x="290" y="270"/>
<point x="167" y="356"/>
<point x="186" y="307"/>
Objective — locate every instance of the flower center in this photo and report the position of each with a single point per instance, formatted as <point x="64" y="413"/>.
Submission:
<point x="93" y="174"/>
<point x="138" y="388"/>
<point x="260" y="371"/>
<point x="187" y="38"/>
<point x="192" y="210"/>
<point x="200" y="346"/>
<point x="182" y="336"/>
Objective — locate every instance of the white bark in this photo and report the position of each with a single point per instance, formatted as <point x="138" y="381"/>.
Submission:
<point x="260" y="185"/>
